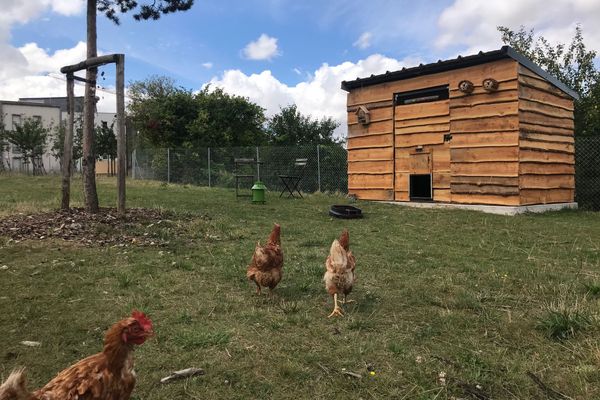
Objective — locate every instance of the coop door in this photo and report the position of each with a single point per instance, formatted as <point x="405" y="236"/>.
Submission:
<point x="421" y="119"/>
<point x="420" y="163"/>
<point x="420" y="177"/>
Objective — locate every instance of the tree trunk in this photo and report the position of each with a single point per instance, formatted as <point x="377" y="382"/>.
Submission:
<point x="89" y="108"/>
<point x="67" y="158"/>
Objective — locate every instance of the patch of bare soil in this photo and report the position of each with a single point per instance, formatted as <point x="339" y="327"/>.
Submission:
<point x="139" y="226"/>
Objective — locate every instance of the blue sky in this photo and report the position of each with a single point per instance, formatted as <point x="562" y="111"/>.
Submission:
<point x="275" y="52"/>
<point x="216" y="32"/>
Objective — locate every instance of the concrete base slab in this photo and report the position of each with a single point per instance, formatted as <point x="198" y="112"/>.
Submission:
<point x="501" y="210"/>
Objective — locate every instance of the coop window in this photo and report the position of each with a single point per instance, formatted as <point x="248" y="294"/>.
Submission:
<point x="420" y="187"/>
<point x="422" y="95"/>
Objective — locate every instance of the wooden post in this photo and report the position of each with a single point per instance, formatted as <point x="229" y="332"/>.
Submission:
<point x="121" y="139"/>
<point x="90" y="65"/>
<point x="68" y="145"/>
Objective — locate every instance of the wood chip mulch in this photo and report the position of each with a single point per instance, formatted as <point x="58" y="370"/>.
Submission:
<point x="139" y="226"/>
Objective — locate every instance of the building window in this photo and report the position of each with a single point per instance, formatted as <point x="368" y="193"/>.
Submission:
<point x="37" y="118"/>
<point x="16" y="151"/>
<point x="16" y="120"/>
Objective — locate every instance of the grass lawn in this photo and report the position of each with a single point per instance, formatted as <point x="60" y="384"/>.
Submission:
<point x="473" y="296"/>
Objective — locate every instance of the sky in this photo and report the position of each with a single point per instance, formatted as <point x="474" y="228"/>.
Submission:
<point x="275" y="52"/>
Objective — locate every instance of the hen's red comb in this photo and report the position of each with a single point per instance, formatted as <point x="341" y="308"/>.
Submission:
<point x="144" y="321"/>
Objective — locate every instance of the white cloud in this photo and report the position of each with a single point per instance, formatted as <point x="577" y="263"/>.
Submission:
<point x="19" y="11"/>
<point x="364" y="41"/>
<point x="66" y="7"/>
<point x="472" y="24"/>
<point x="207" y="65"/>
<point x="24" y="71"/>
<point x="264" y="48"/>
<point x="319" y="96"/>
<point x="39" y="61"/>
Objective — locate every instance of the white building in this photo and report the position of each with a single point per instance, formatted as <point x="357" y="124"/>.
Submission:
<point x="13" y="113"/>
<point x="51" y="111"/>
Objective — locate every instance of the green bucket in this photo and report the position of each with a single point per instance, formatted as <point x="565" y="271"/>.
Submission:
<point x="258" y="193"/>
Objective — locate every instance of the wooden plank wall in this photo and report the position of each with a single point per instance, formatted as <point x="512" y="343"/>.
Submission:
<point x="547" y="152"/>
<point x="484" y="150"/>
<point x="370" y="152"/>
<point x="480" y="165"/>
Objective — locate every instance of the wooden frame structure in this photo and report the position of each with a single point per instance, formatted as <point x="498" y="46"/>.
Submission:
<point x="492" y="128"/>
<point x="69" y="70"/>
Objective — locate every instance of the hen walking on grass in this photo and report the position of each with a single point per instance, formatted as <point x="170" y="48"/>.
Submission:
<point x="267" y="262"/>
<point x="339" y="276"/>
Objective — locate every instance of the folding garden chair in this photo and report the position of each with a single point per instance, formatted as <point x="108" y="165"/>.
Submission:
<point x="244" y="175"/>
<point x="291" y="182"/>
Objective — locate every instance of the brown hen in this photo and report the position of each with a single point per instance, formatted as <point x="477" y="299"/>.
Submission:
<point x="339" y="275"/>
<point x="267" y="262"/>
<point x="108" y="375"/>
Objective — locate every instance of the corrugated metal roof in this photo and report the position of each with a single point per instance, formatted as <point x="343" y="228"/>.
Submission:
<point x="456" y="63"/>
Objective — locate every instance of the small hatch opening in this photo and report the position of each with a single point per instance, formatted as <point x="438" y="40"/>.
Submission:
<point x="420" y="187"/>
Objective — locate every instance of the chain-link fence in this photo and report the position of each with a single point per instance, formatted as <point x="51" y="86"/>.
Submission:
<point x="587" y="172"/>
<point x="325" y="169"/>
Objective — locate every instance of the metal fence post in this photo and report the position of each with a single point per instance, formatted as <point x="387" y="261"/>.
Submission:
<point x="319" y="167"/>
<point x="209" y="167"/>
<point x="168" y="165"/>
<point x="257" y="164"/>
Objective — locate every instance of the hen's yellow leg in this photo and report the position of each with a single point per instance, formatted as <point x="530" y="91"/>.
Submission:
<point x="337" y="310"/>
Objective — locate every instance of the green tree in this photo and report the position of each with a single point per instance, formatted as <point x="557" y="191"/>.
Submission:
<point x="58" y="141"/>
<point x="111" y="9"/>
<point x="225" y="120"/>
<point x="573" y="64"/>
<point x="161" y="112"/>
<point x="290" y="127"/>
<point x="170" y="116"/>
<point x="106" y="141"/>
<point x="30" y="138"/>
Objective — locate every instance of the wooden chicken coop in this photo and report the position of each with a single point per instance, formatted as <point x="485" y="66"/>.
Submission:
<point x="491" y="128"/>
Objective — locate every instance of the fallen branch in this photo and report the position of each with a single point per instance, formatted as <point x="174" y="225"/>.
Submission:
<point x="551" y="393"/>
<point x="30" y="343"/>
<point x="324" y="368"/>
<point x="184" y="373"/>
<point x="352" y="374"/>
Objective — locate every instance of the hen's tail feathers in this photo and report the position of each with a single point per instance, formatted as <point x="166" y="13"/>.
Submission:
<point x="274" y="236"/>
<point x="345" y="240"/>
<point x="14" y="388"/>
<point x="338" y="255"/>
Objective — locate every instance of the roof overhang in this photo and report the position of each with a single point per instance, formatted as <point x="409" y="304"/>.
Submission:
<point x="457" y="63"/>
